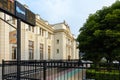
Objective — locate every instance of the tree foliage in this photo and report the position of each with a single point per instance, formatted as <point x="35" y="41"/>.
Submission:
<point x="100" y="35"/>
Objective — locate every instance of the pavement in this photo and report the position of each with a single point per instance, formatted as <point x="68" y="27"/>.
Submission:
<point x="54" y="74"/>
<point x="69" y="74"/>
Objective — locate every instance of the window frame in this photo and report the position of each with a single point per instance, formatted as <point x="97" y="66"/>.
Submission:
<point x="31" y="49"/>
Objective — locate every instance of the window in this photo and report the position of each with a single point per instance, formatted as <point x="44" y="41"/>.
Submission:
<point x="41" y="51"/>
<point x="68" y="41"/>
<point x="13" y="20"/>
<point x="40" y="30"/>
<point x="49" y="35"/>
<point x="69" y="57"/>
<point x="14" y="52"/>
<point x="31" y="50"/>
<point x="49" y="52"/>
<point x="57" y="51"/>
<point x="57" y="41"/>
<point x="32" y="29"/>
<point x="29" y="28"/>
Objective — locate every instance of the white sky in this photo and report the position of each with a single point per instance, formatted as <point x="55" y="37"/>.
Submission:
<point x="74" y="12"/>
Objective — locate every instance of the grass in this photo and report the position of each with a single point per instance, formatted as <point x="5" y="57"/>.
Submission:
<point x="104" y="71"/>
<point x="103" y="74"/>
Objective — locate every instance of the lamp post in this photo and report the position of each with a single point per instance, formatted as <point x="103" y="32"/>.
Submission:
<point x="18" y="47"/>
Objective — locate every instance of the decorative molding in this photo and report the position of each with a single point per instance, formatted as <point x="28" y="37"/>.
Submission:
<point x="45" y="26"/>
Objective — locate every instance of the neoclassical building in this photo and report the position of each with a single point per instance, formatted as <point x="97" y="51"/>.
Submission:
<point x="64" y="42"/>
<point x="41" y="42"/>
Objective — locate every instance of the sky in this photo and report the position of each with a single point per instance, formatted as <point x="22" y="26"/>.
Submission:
<point x="74" y="12"/>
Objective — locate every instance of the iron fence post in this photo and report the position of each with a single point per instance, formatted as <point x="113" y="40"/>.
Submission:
<point x="35" y="66"/>
<point x="119" y="70"/>
<point x="3" y="69"/>
<point x="82" y="71"/>
<point x="44" y="70"/>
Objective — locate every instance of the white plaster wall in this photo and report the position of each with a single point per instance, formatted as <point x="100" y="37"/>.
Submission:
<point x="58" y="36"/>
<point x="4" y="41"/>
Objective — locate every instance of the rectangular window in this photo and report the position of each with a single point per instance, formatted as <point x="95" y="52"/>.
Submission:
<point x="29" y="28"/>
<point x="49" y="35"/>
<point x="49" y="52"/>
<point x="31" y="50"/>
<point x="57" y="41"/>
<point x="40" y="30"/>
<point x="14" y="52"/>
<point x="13" y="20"/>
<point x="32" y="29"/>
<point x="68" y="41"/>
<point x="41" y="51"/>
<point x="57" y="51"/>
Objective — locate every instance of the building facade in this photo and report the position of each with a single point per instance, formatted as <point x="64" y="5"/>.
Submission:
<point x="40" y="42"/>
<point x="64" y="42"/>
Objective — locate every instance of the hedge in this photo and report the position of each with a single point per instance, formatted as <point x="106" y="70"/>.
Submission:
<point x="102" y="75"/>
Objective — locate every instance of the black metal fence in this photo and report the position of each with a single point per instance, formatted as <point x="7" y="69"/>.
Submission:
<point x="60" y="70"/>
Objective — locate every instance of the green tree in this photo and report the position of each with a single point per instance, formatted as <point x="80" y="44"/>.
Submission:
<point x="100" y="35"/>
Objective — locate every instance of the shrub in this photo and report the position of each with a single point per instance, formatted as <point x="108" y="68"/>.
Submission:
<point x="102" y="75"/>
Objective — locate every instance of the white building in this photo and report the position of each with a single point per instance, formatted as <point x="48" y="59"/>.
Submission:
<point x="64" y="42"/>
<point x="44" y="41"/>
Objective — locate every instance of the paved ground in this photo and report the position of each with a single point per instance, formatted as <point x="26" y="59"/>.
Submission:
<point x="70" y="74"/>
<point x="54" y="74"/>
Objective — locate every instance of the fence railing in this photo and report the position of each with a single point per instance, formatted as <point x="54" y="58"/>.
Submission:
<point x="60" y="70"/>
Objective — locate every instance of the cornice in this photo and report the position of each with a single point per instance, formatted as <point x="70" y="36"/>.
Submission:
<point x="65" y="31"/>
<point x="45" y="26"/>
<point x="49" y="27"/>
